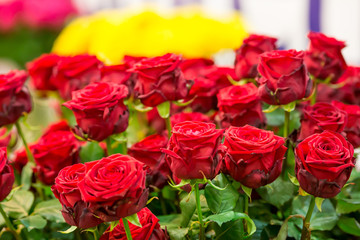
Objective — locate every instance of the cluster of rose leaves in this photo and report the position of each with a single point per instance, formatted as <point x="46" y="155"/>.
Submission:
<point x="116" y="186"/>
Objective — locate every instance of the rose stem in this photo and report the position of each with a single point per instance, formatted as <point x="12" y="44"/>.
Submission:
<point x="96" y="234"/>
<point x="313" y="98"/>
<point x="305" y="233"/>
<point x="9" y="224"/>
<point x="168" y="126"/>
<point x="127" y="229"/>
<point x="246" y="211"/>
<point x="286" y="134"/>
<point x="27" y="149"/>
<point x="198" y="206"/>
<point x="108" y="146"/>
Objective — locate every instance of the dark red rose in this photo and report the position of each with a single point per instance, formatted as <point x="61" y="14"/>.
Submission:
<point x="41" y="71"/>
<point x="193" y="150"/>
<point x="352" y="128"/>
<point x="189" y="116"/>
<point x="193" y="67"/>
<point x="247" y="56"/>
<point x="239" y="105"/>
<point x="14" y="97"/>
<point x="323" y="163"/>
<point x="53" y="152"/>
<point x="7" y="177"/>
<point x="99" y="110"/>
<point x="284" y="77"/>
<point x="148" y="151"/>
<point x="320" y="117"/>
<point x="5" y="137"/>
<point x="323" y="59"/>
<point x="253" y="156"/>
<point x="74" y="73"/>
<point x="19" y="160"/>
<point x="350" y="92"/>
<point x="325" y="93"/>
<point x="150" y="229"/>
<point x="118" y="74"/>
<point x="159" y="79"/>
<point x="114" y="187"/>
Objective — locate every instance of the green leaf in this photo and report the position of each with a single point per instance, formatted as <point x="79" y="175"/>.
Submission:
<point x="247" y="191"/>
<point x="349" y="225"/>
<point x="318" y="202"/>
<point x="50" y="210"/>
<point x="278" y="193"/>
<point x="347" y="205"/>
<point x="283" y="233"/>
<point x="19" y="205"/>
<point x="30" y="222"/>
<point x="188" y="207"/>
<point x="113" y="225"/>
<point x="231" y="215"/>
<point x="69" y="230"/>
<point x="271" y="108"/>
<point x="91" y="151"/>
<point x="121" y="137"/>
<point x="289" y="107"/>
<point x="26" y="176"/>
<point x="221" y="200"/>
<point x="134" y="219"/>
<point x="293" y="179"/>
<point x="181" y="103"/>
<point x="177" y="233"/>
<point x="164" y="109"/>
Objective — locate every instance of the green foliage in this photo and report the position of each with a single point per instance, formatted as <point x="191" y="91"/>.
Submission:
<point x="91" y="151"/>
<point x="278" y="193"/>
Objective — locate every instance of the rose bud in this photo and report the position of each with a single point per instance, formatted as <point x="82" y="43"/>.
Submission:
<point x="7" y="177"/>
<point x="239" y="105"/>
<point x="284" y="77"/>
<point x="320" y="117"/>
<point x="14" y="97"/>
<point x="194" y="150"/>
<point x="53" y="152"/>
<point x="66" y="190"/>
<point x="323" y="163"/>
<point x="41" y="71"/>
<point x="253" y="156"/>
<point x="99" y="110"/>
<point x="247" y="56"/>
<point x="19" y="161"/>
<point x="74" y="73"/>
<point x="352" y="128"/>
<point x="323" y="59"/>
<point x="159" y="79"/>
<point x="192" y="67"/>
<point x="150" y="229"/>
<point x="114" y="187"/>
<point x="350" y="92"/>
<point x="190" y="116"/>
<point x="148" y="151"/>
<point x="118" y="74"/>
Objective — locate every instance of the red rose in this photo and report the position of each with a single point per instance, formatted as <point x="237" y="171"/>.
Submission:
<point x="253" y="156"/>
<point x="239" y="105"/>
<point x="118" y="74"/>
<point x="193" y="67"/>
<point x="74" y="73"/>
<point x="352" y="128"/>
<point x="41" y="71"/>
<point x="14" y="97"/>
<point x="114" y="187"/>
<point x="7" y="177"/>
<point x="150" y="229"/>
<point x="350" y="92"/>
<point x="61" y="125"/>
<point x="323" y="163"/>
<point x="320" y="117"/>
<point x="189" y="116"/>
<point x="148" y="151"/>
<point x="284" y="77"/>
<point x="247" y="56"/>
<point x="5" y="137"/>
<point x="19" y="160"/>
<point x="324" y="59"/>
<point x="99" y="110"/>
<point x="193" y="151"/>
<point x="53" y="152"/>
<point x="159" y="79"/>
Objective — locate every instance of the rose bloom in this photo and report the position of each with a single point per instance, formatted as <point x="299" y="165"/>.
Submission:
<point x="247" y="56"/>
<point x="14" y="97"/>
<point x="350" y="92"/>
<point x="284" y="77"/>
<point x="189" y="116"/>
<point x="74" y="73"/>
<point x="159" y="79"/>
<point x="352" y="128"/>
<point x="239" y="105"/>
<point x="323" y="59"/>
<point x="53" y="152"/>
<point x="7" y="177"/>
<point x="74" y="210"/>
<point x="193" y="67"/>
<point x="323" y="163"/>
<point x="253" y="156"/>
<point x="193" y="150"/>
<point x="148" y="151"/>
<point x="19" y="160"/>
<point x="41" y="71"/>
<point x="320" y="117"/>
<point x="5" y="137"/>
<point x="150" y="229"/>
<point x="118" y="74"/>
<point x="99" y="110"/>
<point x="114" y="187"/>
